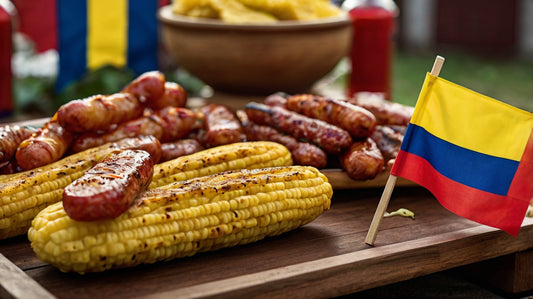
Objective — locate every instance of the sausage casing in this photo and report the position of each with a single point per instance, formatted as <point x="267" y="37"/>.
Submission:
<point x="98" y="112"/>
<point x="148" y="88"/>
<point x="174" y="96"/>
<point x="221" y="126"/>
<point x="173" y="150"/>
<point x="363" y="160"/>
<point x="303" y="153"/>
<point x="45" y="146"/>
<point x="386" y="112"/>
<point x="10" y="138"/>
<point x="110" y="187"/>
<point x="356" y="120"/>
<point x="330" y="138"/>
<point x="167" y="124"/>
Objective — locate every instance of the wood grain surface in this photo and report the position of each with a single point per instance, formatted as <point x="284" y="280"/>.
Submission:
<point x="326" y="258"/>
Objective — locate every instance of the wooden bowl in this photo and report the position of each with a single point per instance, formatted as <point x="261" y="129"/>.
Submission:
<point x="284" y="56"/>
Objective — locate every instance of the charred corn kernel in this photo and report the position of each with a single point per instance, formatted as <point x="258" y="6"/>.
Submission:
<point x="184" y="218"/>
<point x="24" y="194"/>
<point x="241" y="155"/>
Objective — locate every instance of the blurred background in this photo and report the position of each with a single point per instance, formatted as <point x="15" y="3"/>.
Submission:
<point x="488" y="46"/>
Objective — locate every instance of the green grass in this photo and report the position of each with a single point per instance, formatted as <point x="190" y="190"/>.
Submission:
<point x="507" y="80"/>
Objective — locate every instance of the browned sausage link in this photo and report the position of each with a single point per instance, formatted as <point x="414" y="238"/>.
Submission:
<point x="174" y="96"/>
<point x="166" y="125"/>
<point x="148" y="88"/>
<point x="303" y="153"/>
<point x="178" y="122"/>
<point x="10" y="138"/>
<point x="386" y="112"/>
<point x="147" y="143"/>
<point x="110" y="187"/>
<point x="98" y="112"/>
<point x="173" y="150"/>
<point x="388" y="141"/>
<point x="45" y="146"/>
<point x="363" y="160"/>
<point x="221" y="126"/>
<point x="330" y="138"/>
<point x="277" y="99"/>
<point x="356" y="120"/>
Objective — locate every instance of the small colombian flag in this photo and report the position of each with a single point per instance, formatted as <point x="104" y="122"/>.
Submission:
<point x="95" y="33"/>
<point x="473" y="153"/>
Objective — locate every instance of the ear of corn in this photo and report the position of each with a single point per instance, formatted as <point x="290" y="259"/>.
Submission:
<point x="240" y="155"/>
<point x="23" y="195"/>
<point x="184" y="218"/>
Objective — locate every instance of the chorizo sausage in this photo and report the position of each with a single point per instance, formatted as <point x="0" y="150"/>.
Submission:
<point x="356" y="120"/>
<point x="166" y="125"/>
<point x="148" y="88"/>
<point x="386" y="112"/>
<point x="10" y="138"/>
<point x="174" y="96"/>
<point x="388" y="141"/>
<point x="45" y="146"/>
<point x="221" y="126"/>
<point x="98" y="112"/>
<point x="363" y="160"/>
<point x="110" y="187"/>
<point x="172" y="150"/>
<point x="303" y="153"/>
<point x="330" y="138"/>
<point x="277" y="99"/>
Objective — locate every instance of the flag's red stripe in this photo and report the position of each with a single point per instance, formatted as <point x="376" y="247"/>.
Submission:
<point x="522" y="185"/>
<point x="502" y="212"/>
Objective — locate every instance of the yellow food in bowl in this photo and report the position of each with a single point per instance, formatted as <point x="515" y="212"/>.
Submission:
<point x="256" y="11"/>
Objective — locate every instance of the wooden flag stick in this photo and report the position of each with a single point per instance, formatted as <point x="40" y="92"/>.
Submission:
<point x="391" y="181"/>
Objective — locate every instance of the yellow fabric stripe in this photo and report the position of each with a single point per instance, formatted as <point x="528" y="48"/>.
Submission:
<point x="107" y="31"/>
<point x="472" y="120"/>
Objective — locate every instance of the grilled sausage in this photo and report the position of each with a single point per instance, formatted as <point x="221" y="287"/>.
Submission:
<point x="354" y="119"/>
<point x="221" y="126"/>
<point x="98" y="112"/>
<point x="167" y="124"/>
<point x="303" y="153"/>
<point x="330" y="138"/>
<point x="10" y="138"/>
<point x="174" y="96"/>
<point x="277" y="99"/>
<point x="363" y="160"/>
<point x="45" y="146"/>
<point x="172" y="150"/>
<point x="388" y="141"/>
<point x="386" y="112"/>
<point x="148" y="88"/>
<point x="110" y="187"/>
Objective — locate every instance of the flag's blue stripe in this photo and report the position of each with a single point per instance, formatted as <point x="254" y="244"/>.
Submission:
<point x="476" y="170"/>
<point x="72" y="41"/>
<point x="142" y="35"/>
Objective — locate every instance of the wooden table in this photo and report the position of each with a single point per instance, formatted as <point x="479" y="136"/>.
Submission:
<point x="325" y="258"/>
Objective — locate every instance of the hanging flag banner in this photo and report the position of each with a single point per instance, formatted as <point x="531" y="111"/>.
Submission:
<point x="96" y="33"/>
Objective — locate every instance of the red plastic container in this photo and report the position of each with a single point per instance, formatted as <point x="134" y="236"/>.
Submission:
<point x="6" y="50"/>
<point x="371" y="52"/>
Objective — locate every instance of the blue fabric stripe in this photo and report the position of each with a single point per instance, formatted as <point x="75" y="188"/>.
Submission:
<point x="142" y="35"/>
<point x="477" y="170"/>
<point x="72" y="41"/>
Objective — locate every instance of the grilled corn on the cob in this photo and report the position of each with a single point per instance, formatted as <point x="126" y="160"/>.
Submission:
<point x="183" y="218"/>
<point x="23" y="195"/>
<point x="239" y="155"/>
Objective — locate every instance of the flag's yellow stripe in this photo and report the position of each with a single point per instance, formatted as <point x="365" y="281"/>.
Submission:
<point x="107" y="29"/>
<point x="472" y="120"/>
